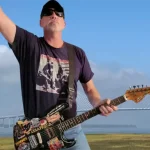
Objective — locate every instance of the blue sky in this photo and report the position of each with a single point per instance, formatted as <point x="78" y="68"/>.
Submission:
<point x="115" y="35"/>
<point x="108" y="30"/>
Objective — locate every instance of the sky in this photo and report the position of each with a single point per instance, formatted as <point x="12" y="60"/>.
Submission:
<point x="115" y="35"/>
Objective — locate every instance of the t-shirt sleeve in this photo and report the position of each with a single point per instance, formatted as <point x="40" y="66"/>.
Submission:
<point x="23" y="44"/>
<point x="86" y="71"/>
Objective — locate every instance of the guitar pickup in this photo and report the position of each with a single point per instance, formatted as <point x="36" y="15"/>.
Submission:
<point x="35" y="122"/>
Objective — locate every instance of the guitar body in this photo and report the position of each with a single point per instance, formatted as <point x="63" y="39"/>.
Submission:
<point x="38" y="133"/>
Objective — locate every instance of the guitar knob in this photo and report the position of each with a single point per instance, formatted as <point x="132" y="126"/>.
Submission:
<point x="41" y="146"/>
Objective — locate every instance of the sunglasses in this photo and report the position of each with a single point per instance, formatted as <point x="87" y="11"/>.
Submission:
<point x="49" y="12"/>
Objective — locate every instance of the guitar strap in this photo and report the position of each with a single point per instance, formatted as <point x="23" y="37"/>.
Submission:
<point x="69" y="91"/>
<point x="71" y="58"/>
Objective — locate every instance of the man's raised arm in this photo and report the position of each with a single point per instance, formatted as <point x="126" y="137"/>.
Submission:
<point x="7" y="27"/>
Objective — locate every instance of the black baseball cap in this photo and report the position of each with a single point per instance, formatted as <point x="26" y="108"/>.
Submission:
<point x="52" y="4"/>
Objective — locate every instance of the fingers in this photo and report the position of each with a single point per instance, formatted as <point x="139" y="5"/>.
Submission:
<point x="114" y="108"/>
<point x="106" y="108"/>
<point x="105" y="101"/>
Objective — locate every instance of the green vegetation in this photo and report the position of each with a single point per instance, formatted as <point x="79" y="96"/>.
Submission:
<point x="119" y="141"/>
<point x="103" y="142"/>
<point x="6" y="144"/>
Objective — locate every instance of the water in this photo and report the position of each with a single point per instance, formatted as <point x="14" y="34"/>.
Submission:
<point x="118" y="131"/>
<point x="96" y="130"/>
<point x="136" y="122"/>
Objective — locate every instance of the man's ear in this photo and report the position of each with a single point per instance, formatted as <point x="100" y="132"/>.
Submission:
<point x="41" y="23"/>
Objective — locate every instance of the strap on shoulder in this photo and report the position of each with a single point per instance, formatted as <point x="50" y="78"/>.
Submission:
<point x="71" y="57"/>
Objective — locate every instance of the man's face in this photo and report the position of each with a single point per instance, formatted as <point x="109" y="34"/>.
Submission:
<point x="53" y="21"/>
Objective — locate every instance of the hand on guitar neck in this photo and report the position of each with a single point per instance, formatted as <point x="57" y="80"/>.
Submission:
<point x="106" y="108"/>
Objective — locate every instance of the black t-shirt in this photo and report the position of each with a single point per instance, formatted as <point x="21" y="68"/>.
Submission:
<point x="44" y="73"/>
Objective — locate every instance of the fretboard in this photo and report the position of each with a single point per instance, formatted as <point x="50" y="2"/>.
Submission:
<point x="87" y="115"/>
<point x="118" y="101"/>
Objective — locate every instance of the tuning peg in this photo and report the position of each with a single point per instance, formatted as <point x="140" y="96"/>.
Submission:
<point x="142" y="85"/>
<point x="130" y="87"/>
<point x="138" y="86"/>
<point x="134" y="86"/>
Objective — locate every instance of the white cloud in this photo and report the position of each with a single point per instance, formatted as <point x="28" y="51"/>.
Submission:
<point x="112" y="81"/>
<point x="3" y="48"/>
<point x="10" y="94"/>
<point x="9" y="68"/>
<point x="113" y="75"/>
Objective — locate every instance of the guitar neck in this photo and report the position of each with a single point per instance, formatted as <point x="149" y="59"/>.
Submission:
<point x="87" y="115"/>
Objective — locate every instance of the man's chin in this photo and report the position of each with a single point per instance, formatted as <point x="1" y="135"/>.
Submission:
<point x="53" y="29"/>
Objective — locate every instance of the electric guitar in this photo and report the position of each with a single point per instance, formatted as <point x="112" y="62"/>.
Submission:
<point x="38" y="133"/>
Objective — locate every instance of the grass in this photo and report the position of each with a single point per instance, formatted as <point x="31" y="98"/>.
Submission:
<point x="119" y="141"/>
<point x="103" y="142"/>
<point x="6" y="144"/>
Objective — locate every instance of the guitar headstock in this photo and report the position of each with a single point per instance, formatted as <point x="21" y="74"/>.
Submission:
<point x="137" y="93"/>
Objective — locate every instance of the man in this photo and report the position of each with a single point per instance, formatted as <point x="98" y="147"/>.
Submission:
<point x="44" y="69"/>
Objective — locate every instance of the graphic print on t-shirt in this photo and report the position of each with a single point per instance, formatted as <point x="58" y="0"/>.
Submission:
<point x="52" y="74"/>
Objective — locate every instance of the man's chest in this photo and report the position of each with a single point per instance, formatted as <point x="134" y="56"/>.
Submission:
<point x="53" y="73"/>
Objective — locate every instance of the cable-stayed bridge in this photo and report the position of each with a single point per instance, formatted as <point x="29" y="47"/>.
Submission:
<point x="83" y="105"/>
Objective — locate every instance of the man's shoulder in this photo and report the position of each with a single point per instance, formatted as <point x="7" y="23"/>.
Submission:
<point x="26" y="33"/>
<point x="76" y="48"/>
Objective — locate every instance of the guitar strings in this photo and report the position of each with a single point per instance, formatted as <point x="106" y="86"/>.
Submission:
<point x="44" y="134"/>
<point x="57" y="128"/>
